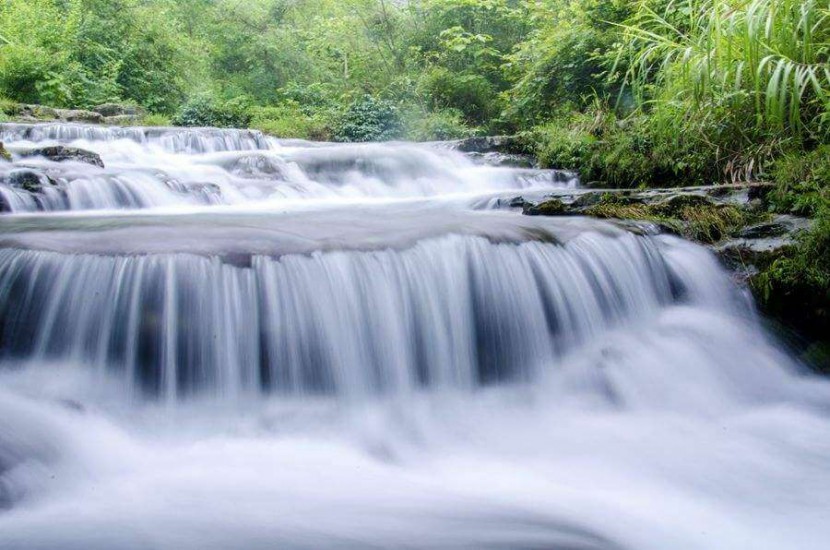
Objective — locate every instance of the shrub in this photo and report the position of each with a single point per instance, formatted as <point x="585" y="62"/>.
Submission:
<point x="155" y="120"/>
<point x="369" y="119"/>
<point x="290" y="120"/>
<point x="434" y="126"/>
<point x="802" y="182"/>
<point x="637" y="151"/>
<point x="206" y="111"/>
<point x="471" y="94"/>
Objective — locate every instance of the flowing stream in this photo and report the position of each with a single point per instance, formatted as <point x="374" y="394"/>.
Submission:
<point x="220" y="340"/>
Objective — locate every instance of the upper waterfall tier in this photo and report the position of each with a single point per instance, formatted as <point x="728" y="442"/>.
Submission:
<point x="186" y="168"/>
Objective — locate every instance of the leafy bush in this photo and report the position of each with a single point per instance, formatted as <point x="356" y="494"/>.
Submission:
<point x="436" y="126"/>
<point x="631" y="152"/>
<point x="204" y="110"/>
<point x="802" y="182"/>
<point x="369" y="119"/>
<point x="290" y="120"/>
<point x="471" y="94"/>
<point x="156" y="120"/>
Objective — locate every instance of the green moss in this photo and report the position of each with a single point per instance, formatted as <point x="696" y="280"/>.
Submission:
<point x="693" y="216"/>
<point x="550" y="207"/>
<point x="796" y="287"/>
<point x="5" y="155"/>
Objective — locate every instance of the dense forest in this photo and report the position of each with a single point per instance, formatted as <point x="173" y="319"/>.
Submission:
<point x="631" y="93"/>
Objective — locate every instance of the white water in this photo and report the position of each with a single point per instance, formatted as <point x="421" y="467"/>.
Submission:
<point x="151" y="168"/>
<point x="315" y="373"/>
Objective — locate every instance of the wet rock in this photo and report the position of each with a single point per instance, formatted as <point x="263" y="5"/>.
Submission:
<point x="79" y="115"/>
<point x="491" y="144"/>
<point x="117" y="109"/>
<point x="550" y="207"/>
<point x="674" y="205"/>
<point x="36" y="112"/>
<point x="752" y="254"/>
<point x="517" y="202"/>
<point x="586" y="200"/>
<point x="759" y="245"/>
<point x="779" y="227"/>
<point x="4" y="155"/>
<point x="122" y="120"/>
<point x="29" y="180"/>
<point x="61" y="153"/>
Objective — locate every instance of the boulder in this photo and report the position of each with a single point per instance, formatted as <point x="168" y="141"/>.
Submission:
<point x="117" y="109"/>
<point x="779" y="227"/>
<point x="122" y="120"/>
<point x="29" y="180"/>
<point x="80" y="115"/>
<point x="31" y="112"/>
<point x="61" y="153"/>
<point x="4" y="155"/>
<point x="550" y="207"/>
<point x="491" y="144"/>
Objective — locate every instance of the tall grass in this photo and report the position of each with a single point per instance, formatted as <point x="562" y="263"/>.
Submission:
<point x="762" y="62"/>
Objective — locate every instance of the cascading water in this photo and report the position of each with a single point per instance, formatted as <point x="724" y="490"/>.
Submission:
<point x="348" y="355"/>
<point x="153" y="167"/>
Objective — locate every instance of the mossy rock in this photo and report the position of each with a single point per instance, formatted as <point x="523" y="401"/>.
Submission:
<point x="674" y="207"/>
<point x="29" y="180"/>
<point x="61" y="153"/>
<point x="5" y="155"/>
<point x="551" y="207"/>
<point x="117" y="109"/>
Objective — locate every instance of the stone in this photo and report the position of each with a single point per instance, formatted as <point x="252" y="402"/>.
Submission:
<point x="80" y="115"/>
<point x="550" y="207"/>
<point x="29" y="180"/>
<point x="117" y="109"/>
<point x="4" y="155"/>
<point x="122" y="120"/>
<point x="60" y="153"/>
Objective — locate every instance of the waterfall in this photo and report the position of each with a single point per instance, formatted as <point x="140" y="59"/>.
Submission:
<point x="294" y="345"/>
<point x="158" y="167"/>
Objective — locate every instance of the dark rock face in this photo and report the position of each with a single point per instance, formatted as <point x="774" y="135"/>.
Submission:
<point x="117" y="109"/>
<point x="29" y="180"/>
<point x="122" y="120"/>
<point x="61" y="153"/>
<point x="551" y="207"/>
<point x="78" y="115"/>
<point x="491" y="144"/>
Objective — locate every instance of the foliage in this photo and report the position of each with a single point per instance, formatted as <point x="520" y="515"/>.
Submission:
<point x="290" y="120"/>
<point x="628" y="152"/>
<point x="155" y="120"/>
<point x="434" y="126"/>
<point x="471" y="94"/>
<point x="796" y="287"/>
<point x="567" y="59"/>
<point x="802" y="182"/>
<point x="760" y="65"/>
<point x="204" y="110"/>
<point x="369" y="119"/>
